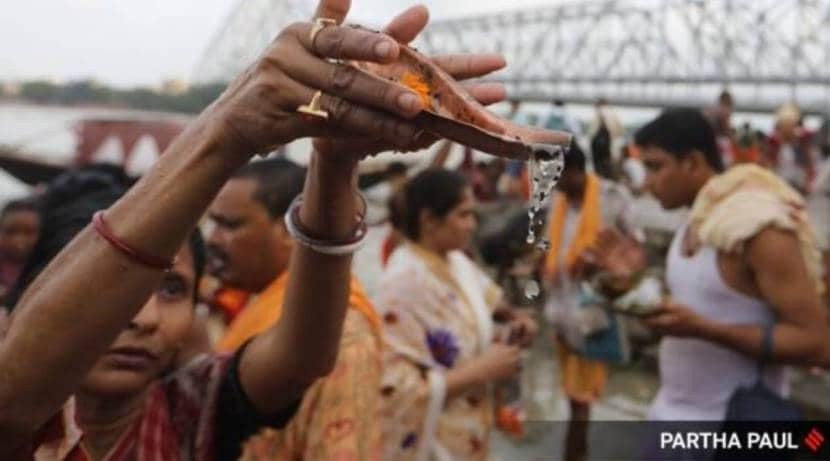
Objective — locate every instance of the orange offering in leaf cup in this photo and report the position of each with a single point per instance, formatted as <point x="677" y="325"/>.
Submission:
<point x="452" y="113"/>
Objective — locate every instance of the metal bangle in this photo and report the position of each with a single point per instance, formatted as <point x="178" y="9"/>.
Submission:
<point x="327" y="247"/>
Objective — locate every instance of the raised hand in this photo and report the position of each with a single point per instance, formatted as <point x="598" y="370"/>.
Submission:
<point x="258" y="111"/>
<point x="404" y="28"/>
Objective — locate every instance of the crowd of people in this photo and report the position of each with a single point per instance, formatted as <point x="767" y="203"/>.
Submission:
<point x="209" y="310"/>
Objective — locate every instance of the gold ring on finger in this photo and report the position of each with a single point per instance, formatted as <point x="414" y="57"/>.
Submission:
<point x="314" y="108"/>
<point x="319" y="24"/>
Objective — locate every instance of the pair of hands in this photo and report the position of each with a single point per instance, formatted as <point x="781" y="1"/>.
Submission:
<point x="503" y="358"/>
<point x="367" y="115"/>
<point x="621" y="257"/>
<point x="518" y="327"/>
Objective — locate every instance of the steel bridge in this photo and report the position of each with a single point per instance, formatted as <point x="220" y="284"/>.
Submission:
<point x="654" y="53"/>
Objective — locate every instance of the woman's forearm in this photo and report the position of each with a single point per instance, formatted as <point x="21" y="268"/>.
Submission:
<point x="460" y="379"/>
<point x="318" y="285"/>
<point x="74" y="310"/>
<point x="303" y="345"/>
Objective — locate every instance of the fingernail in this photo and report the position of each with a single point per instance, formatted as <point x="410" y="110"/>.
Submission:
<point x="408" y="102"/>
<point x="383" y="49"/>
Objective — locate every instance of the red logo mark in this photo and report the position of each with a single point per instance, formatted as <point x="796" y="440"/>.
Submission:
<point x="814" y="440"/>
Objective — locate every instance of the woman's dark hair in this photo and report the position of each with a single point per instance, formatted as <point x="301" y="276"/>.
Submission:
<point x="436" y="190"/>
<point x="26" y="204"/>
<point x="501" y="248"/>
<point x="396" y="206"/>
<point x="679" y="132"/>
<point x="66" y="209"/>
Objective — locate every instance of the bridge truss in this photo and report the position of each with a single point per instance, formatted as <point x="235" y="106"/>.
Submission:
<point x="631" y="52"/>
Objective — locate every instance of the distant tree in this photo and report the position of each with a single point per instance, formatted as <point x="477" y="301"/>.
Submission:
<point x="86" y="91"/>
<point x="40" y="91"/>
<point x="140" y="98"/>
<point x="198" y="97"/>
<point x="193" y="100"/>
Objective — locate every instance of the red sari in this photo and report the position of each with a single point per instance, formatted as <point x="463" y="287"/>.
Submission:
<point x="177" y="424"/>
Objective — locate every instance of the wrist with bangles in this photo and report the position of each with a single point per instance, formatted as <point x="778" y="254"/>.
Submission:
<point x="331" y="247"/>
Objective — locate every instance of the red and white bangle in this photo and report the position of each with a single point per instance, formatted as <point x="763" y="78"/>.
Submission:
<point x="327" y="247"/>
<point x="155" y="262"/>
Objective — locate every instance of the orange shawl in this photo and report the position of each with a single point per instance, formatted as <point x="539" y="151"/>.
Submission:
<point x="588" y="228"/>
<point x="266" y="309"/>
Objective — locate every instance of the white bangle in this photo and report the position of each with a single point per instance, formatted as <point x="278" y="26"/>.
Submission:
<point x="326" y="247"/>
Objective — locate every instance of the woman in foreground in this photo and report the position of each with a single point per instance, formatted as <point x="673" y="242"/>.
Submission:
<point x="95" y="323"/>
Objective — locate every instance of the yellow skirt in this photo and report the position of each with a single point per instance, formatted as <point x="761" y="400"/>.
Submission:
<point x="583" y="380"/>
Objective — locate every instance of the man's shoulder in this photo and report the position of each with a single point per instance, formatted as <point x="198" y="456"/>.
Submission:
<point x="772" y="243"/>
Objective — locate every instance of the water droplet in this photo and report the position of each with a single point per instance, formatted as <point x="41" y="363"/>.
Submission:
<point x="546" y="165"/>
<point x="532" y="289"/>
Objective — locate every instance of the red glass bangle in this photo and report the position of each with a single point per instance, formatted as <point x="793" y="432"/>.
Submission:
<point x="135" y="255"/>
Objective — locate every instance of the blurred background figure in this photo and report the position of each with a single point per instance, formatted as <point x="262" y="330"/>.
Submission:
<point x="823" y="138"/>
<point x="791" y="152"/>
<point x="720" y="115"/>
<point x="749" y="145"/>
<point x="19" y="230"/>
<point x="632" y="170"/>
<point x="396" y="175"/>
<point x="559" y="118"/>
<point x="583" y="206"/>
<point x="605" y="134"/>
<point x="443" y="350"/>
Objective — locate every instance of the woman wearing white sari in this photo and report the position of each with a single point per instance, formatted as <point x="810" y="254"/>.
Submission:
<point x="440" y="356"/>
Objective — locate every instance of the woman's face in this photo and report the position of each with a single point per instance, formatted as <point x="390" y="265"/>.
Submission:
<point x="455" y="230"/>
<point x="18" y="233"/>
<point x="148" y="346"/>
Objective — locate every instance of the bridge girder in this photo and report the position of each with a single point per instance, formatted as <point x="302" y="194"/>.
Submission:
<point x="248" y="29"/>
<point x="631" y="52"/>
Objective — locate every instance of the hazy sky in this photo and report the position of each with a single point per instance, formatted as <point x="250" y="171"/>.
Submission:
<point x="140" y="42"/>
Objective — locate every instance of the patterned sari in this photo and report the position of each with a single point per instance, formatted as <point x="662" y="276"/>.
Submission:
<point x="337" y="418"/>
<point x="437" y="315"/>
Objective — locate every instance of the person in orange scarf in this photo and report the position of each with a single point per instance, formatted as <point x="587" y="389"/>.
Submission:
<point x="584" y="205"/>
<point x="249" y="248"/>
